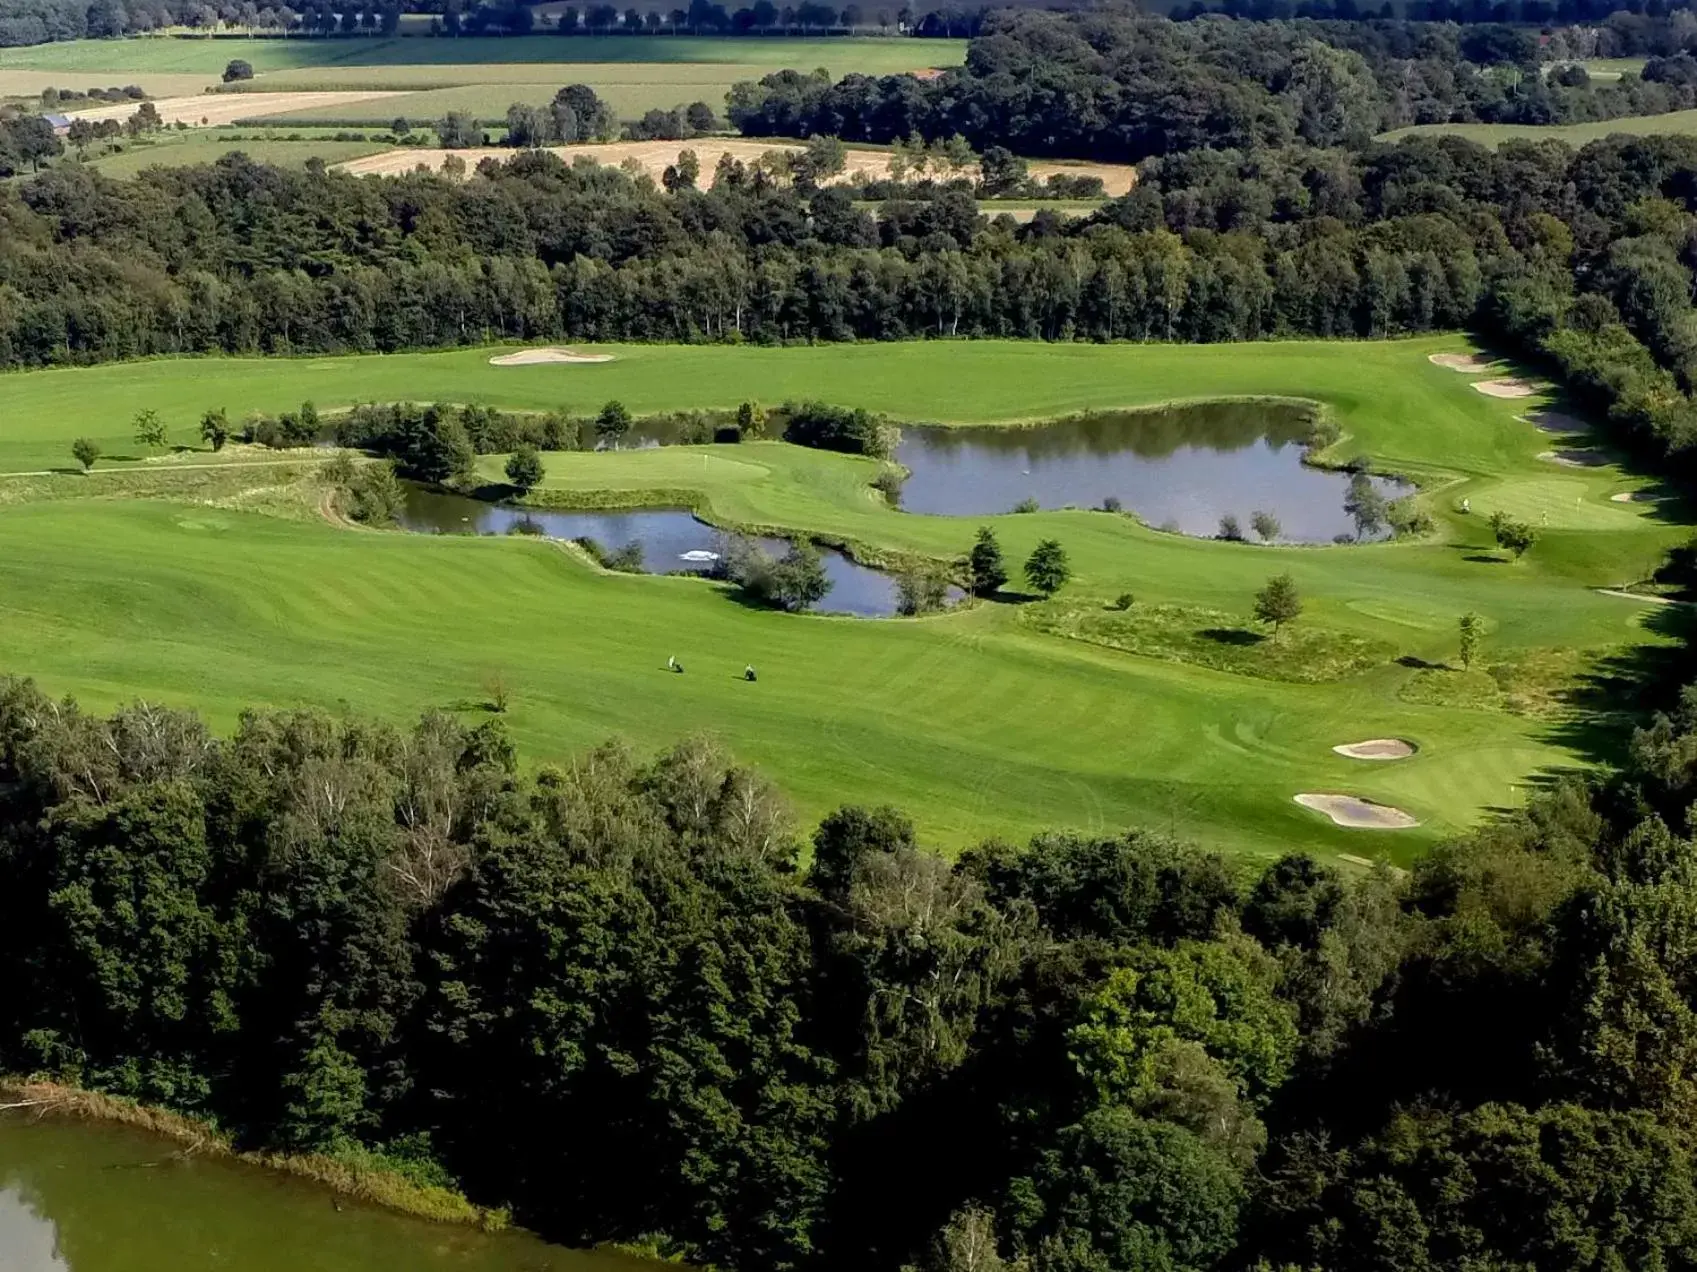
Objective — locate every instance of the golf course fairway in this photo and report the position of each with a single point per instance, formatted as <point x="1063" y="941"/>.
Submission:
<point x="212" y="581"/>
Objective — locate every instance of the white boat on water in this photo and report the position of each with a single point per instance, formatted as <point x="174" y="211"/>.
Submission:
<point x="698" y="554"/>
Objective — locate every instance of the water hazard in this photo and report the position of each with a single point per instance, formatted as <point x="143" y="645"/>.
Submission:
<point x="87" y="1197"/>
<point x="672" y="541"/>
<point x="1181" y="468"/>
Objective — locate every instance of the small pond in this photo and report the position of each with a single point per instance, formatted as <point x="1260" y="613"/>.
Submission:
<point x="87" y="1197"/>
<point x="672" y="541"/>
<point x="1180" y="468"/>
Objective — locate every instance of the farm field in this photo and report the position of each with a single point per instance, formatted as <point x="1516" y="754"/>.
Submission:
<point x="983" y="719"/>
<point x="869" y="55"/>
<point x="175" y="150"/>
<point x="653" y="156"/>
<point x="433" y="76"/>
<point x="1675" y="123"/>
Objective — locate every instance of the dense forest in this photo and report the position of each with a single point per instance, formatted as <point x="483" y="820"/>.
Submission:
<point x="1115" y="86"/>
<point x="610" y="994"/>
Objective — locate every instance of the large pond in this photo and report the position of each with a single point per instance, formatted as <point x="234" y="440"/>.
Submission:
<point x="1180" y="469"/>
<point x="672" y="541"/>
<point x="86" y="1197"/>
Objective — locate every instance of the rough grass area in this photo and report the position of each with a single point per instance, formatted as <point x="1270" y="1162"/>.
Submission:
<point x="1538" y="683"/>
<point x="177" y="150"/>
<point x="1211" y="638"/>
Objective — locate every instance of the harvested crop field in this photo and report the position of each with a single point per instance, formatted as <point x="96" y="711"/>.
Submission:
<point x="1376" y="749"/>
<point x="1508" y="387"/>
<point x="1357" y="813"/>
<point x="214" y="109"/>
<point x="1464" y="362"/>
<point x="654" y="156"/>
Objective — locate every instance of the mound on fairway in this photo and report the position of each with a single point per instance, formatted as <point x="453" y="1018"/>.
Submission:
<point x="1507" y="387"/>
<point x="1376" y="749"/>
<point x="533" y="357"/>
<point x="1464" y="362"/>
<point x="1357" y="813"/>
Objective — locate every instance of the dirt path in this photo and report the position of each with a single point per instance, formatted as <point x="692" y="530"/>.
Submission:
<point x="212" y="109"/>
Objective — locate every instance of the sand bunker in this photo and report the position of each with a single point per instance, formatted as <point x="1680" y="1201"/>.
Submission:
<point x="1377" y="749"/>
<point x="1463" y="362"/>
<point x="1556" y="422"/>
<point x="1357" y="814"/>
<point x="1507" y="388"/>
<point x="1633" y="496"/>
<point x="1574" y="458"/>
<point x="531" y="357"/>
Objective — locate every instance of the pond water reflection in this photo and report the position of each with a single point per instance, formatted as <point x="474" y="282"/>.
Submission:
<point x="672" y="540"/>
<point x="1180" y="468"/>
<point x="88" y="1197"/>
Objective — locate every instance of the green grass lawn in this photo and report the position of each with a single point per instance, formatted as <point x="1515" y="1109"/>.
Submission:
<point x="1676" y="123"/>
<point x="993" y="720"/>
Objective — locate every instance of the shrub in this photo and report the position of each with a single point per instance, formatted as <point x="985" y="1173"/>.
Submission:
<point x="921" y="592"/>
<point x="1124" y="601"/>
<point x="837" y="428"/>
<point x="238" y="70"/>
<point x="1028" y="504"/>
<point x="1230" y="530"/>
<point x="524" y="468"/>
<point x="889" y="482"/>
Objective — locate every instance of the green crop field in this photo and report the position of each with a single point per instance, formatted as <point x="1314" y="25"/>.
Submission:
<point x="870" y="55"/>
<point x="210" y="145"/>
<point x="1676" y="123"/>
<point x="980" y="721"/>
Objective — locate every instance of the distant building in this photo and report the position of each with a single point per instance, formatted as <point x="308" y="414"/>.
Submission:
<point x="61" y="124"/>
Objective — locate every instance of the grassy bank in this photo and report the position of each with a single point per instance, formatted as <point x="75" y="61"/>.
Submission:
<point x="360" y="1174"/>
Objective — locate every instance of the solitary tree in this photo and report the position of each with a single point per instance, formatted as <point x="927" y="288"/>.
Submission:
<point x="86" y="450"/>
<point x="1365" y="505"/>
<point x="1278" y="603"/>
<point x="215" y="429"/>
<point x="238" y="70"/>
<point x="1472" y="629"/>
<point x="1230" y="529"/>
<point x="150" y="429"/>
<point x="1267" y="527"/>
<point x="985" y="562"/>
<point x="524" y="468"/>
<point x="1047" y="569"/>
<point x="1516" y="536"/>
<point x="613" y="422"/>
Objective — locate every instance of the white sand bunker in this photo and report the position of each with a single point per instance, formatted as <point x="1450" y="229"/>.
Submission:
<point x="1509" y="387"/>
<point x="1556" y="422"/>
<point x="1574" y="458"/>
<point x="1464" y="362"/>
<point x="1377" y="749"/>
<point x="1357" y="814"/>
<point x="531" y="357"/>
<point x="1633" y="496"/>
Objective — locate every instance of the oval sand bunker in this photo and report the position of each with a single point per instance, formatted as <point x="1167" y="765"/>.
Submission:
<point x="1508" y="387"/>
<point x="532" y="357"/>
<point x="1463" y="362"/>
<point x="1357" y="814"/>
<point x="1376" y="749"/>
